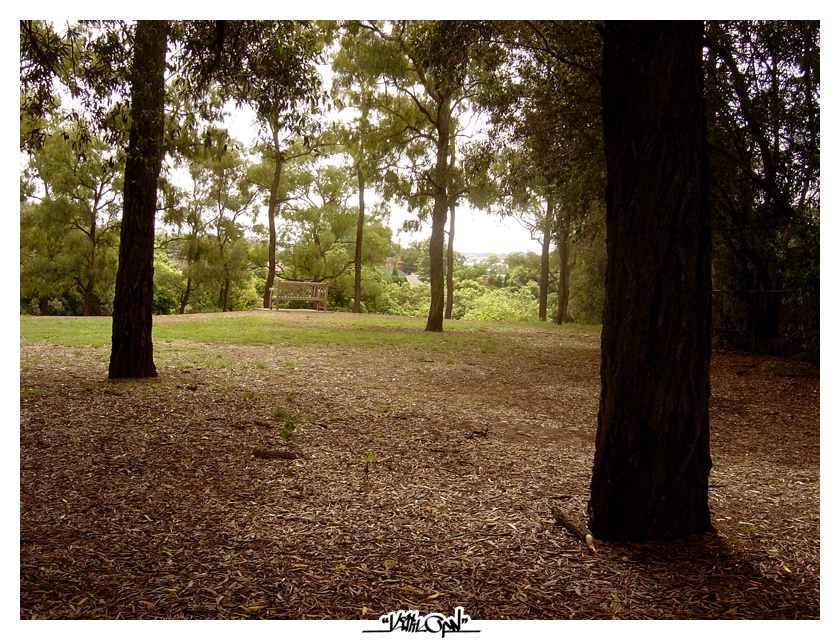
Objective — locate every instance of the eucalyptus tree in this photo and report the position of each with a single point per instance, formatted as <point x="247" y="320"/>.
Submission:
<point x="283" y="87"/>
<point x="544" y="109"/>
<point x="426" y="74"/>
<point x="519" y="190"/>
<point x="81" y="185"/>
<point x="320" y="226"/>
<point x="231" y="196"/>
<point x="270" y="177"/>
<point x="369" y="139"/>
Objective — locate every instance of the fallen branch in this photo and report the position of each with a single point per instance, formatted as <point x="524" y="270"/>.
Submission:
<point x="564" y="520"/>
<point x="270" y="454"/>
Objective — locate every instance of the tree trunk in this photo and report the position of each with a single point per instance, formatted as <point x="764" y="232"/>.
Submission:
<point x="88" y="299"/>
<point x="450" y="263"/>
<point x="131" y="338"/>
<point x="564" y="270"/>
<point x="652" y="461"/>
<point x="186" y="298"/>
<point x="546" y="248"/>
<point x="272" y="213"/>
<point x="360" y="229"/>
<point x="225" y="294"/>
<point x="436" y="307"/>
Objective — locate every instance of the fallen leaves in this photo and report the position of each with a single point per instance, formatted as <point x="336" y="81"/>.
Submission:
<point x="165" y="499"/>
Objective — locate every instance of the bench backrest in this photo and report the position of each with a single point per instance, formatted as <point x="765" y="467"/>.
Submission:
<point x="302" y="290"/>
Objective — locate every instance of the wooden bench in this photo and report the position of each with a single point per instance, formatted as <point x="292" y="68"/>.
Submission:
<point x="299" y="291"/>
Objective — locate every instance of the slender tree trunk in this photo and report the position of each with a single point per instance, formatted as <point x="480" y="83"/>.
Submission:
<point x="563" y="271"/>
<point x="652" y="461"/>
<point x="186" y="298"/>
<point x="272" y="214"/>
<point x="436" y="307"/>
<point x="360" y="229"/>
<point x="546" y="248"/>
<point x="131" y="338"/>
<point x="45" y="305"/>
<point x="450" y="263"/>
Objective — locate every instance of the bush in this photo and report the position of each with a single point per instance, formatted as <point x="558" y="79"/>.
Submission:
<point x="404" y="299"/>
<point x="502" y="305"/>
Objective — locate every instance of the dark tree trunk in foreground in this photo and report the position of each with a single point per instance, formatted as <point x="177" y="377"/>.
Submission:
<point x="652" y="462"/>
<point x="131" y="340"/>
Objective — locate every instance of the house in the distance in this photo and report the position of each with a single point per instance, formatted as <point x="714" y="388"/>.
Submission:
<point x="387" y="267"/>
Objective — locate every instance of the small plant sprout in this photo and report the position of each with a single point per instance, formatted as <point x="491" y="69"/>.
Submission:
<point x="368" y="460"/>
<point x="288" y="429"/>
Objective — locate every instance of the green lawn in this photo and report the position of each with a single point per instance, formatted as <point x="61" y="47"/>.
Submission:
<point x="347" y="331"/>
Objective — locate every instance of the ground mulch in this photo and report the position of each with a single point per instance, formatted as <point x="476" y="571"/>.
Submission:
<point x="412" y="480"/>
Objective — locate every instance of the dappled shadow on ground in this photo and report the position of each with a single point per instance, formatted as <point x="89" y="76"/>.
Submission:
<point x="413" y="480"/>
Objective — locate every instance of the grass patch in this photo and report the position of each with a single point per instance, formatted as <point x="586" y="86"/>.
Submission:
<point x="66" y="331"/>
<point x="178" y="339"/>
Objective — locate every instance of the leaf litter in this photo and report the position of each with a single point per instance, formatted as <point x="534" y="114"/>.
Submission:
<point x="405" y="485"/>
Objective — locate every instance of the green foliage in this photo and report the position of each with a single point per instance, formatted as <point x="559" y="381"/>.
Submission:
<point x="404" y="299"/>
<point x="69" y="224"/>
<point x="288" y="429"/>
<point x="588" y="281"/>
<point x="763" y="101"/>
<point x="803" y="280"/>
<point x="501" y="305"/>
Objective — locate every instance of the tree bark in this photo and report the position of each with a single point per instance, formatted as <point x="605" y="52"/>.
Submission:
<point x="450" y="264"/>
<point x="186" y="297"/>
<point x="546" y="249"/>
<point x="131" y="339"/>
<point x="357" y="258"/>
<point x="436" y="307"/>
<point x="652" y="460"/>
<point x="272" y="214"/>
<point x="564" y="270"/>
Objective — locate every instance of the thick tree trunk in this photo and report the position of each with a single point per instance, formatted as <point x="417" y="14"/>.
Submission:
<point x="357" y="258"/>
<point x="652" y="461"/>
<point x="131" y="338"/>
<point x="450" y="264"/>
<point x="546" y="249"/>
<point x="436" y="307"/>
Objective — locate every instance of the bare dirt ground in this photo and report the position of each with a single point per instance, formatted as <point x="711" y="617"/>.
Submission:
<point x="415" y="480"/>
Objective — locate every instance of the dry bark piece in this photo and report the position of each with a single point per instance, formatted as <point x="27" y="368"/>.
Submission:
<point x="565" y="520"/>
